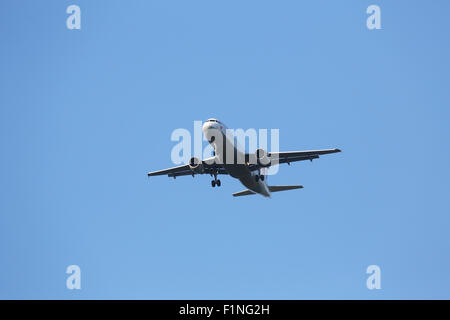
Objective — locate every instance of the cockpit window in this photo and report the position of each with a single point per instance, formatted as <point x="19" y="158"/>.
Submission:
<point x="213" y="120"/>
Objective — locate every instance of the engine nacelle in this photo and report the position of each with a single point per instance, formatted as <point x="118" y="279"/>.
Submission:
<point x="262" y="158"/>
<point x="196" y="165"/>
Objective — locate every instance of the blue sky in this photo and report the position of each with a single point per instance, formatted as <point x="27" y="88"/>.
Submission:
<point x="84" y="114"/>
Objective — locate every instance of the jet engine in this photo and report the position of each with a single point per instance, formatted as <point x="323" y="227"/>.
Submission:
<point x="262" y="158"/>
<point x="196" y="165"/>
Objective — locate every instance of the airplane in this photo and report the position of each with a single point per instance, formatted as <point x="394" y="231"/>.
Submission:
<point x="249" y="171"/>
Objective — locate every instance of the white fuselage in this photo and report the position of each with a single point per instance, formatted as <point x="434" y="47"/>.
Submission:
<point x="234" y="165"/>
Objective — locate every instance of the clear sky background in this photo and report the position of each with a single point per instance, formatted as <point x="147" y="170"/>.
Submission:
<point x="84" y="114"/>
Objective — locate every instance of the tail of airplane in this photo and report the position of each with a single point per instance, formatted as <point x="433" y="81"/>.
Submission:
<point x="271" y="189"/>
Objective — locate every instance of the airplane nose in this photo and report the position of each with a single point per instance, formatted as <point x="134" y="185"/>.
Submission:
<point x="210" y="125"/>
<point x="211" y="130"/>
<point x="206" y="126"/>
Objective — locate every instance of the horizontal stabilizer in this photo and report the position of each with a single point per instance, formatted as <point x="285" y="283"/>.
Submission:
<point x="271" y="189"/>
<point x="283" y="188"/>
<point x="243" y="193"/>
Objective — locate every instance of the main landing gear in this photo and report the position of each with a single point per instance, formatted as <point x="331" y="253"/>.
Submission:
<point x="259" y="176"/>
<point x="215" y="182"/>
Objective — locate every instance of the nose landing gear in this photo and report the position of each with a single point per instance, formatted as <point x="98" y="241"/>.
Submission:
<point x="215" y="182"/>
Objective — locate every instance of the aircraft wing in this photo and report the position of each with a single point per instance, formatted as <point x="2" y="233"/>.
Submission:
<point x="293" y="156"/>
<point x="209" y="167"/>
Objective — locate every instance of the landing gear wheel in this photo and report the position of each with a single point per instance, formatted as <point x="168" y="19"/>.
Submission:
<point x="218" y="183"/>
<point x="262" y="177"/>
<point x="213" y="183"/>
<point x="256" y="178"/>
